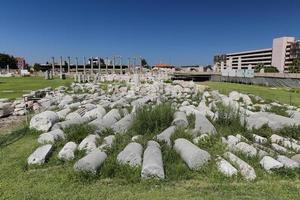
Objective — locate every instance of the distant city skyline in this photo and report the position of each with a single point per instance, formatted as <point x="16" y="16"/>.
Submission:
<point x="173" y="32"/>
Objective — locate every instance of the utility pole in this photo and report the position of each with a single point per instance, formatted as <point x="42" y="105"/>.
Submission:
<point x="76" y="65"/>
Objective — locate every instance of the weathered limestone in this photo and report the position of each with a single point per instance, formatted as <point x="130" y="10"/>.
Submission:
<point x="73" y="116"/>
<point x="91" y="162"/>
<point x="131" y="155"/>
<point x="203" y="125"/>
<point x="5" y="109"/>
<point x="165" y="136"/>
<point x="246" y="149"/>
<point x="107" y="121"/>
<point x="107" y="142"/>
<point x="279" y="148"/>
<point x="51" y="137"/>
<point x="44" y="121"/>
<point x="62" y="114"/>
<point x="67" y="152"/>
<point x="275" y="122"/>
<point x="225" y="167"/>
<point x="192" y="155"/>
<point x="40" y="155"/>
<point x="296" y="158"/>
<point x="259" y="139"/>
<point x="246" y="170"/>
<point x="152" y="162"/>
<point x="98" y="112"/>
<point x="123" y="124"/>
<point x="287" y="162"/>
<point x="89" y="143"/>
<point x="269" y="163"/>
<point x="180" y="119"/>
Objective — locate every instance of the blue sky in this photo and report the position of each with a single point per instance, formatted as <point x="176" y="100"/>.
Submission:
<point x="169" y="31"/>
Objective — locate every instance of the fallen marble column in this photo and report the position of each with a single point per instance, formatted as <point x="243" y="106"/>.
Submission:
<point x="107" y="121"/>
<point x="123" y="124"/>
<point x="269" y="163"/>
<point x="152" y="162"/>
<point x="287" y="162"/>
<point x="89" y="143"/>
<point x="98" y="112"/>
<point x="203" y="125"/>
<point x="246" y="170"/>
<point x="180" y="119"/>
<point x="44" y="121"/>
<point x="67" y="152"/>
<point x="165" y="136"/>
<point x="131" y="155"/>
<point x="51" y="137"/>
<point x="6" y="109"/>
<point x="91" y="162"/>
<point x="191" y="154"/>
<point x="68" y="123"/>
<point x="108" y="141"/>
<point x="62" y="114"/>
<point x="40" y="155"/>
<point x="246" y="149"/>
<point x="225" y="167"/>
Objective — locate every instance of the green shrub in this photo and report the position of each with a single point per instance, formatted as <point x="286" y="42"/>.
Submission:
<point x="78" y="132"/>
<point x="152" y="119"/>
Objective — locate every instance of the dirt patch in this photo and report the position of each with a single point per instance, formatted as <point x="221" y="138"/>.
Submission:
<point x="7" y="124"/>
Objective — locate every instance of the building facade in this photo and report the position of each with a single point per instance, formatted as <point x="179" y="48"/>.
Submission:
<point x="284" y="50"/>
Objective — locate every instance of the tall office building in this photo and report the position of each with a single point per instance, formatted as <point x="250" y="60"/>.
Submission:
<point x="281" y="55"/>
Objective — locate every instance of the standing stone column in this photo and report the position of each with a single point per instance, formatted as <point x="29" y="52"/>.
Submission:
<point x="114" y="61"/>
<point x="121" y="67"/>
<point x="69" y="63"/>
<point x="99" y="65"/>
<point x="53" y="66"/>
<point x="129" y="68"/>
<point x="76" y="65"/>
<point x="92" y="66"/>
<point x="84" y="69"/>
<point x="60" y="67"/>
<point x="106" y="66"/>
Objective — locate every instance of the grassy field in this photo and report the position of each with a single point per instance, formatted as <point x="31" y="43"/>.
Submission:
<point x="57" y="180"/>
<point x="14" y="87"/>
<point x="283" y="95"/>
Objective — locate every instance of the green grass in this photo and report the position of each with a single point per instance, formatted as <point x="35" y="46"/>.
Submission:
<point x="282" y="95"/>
<point x="22" y="85"/>
<point x="57" y="180"/>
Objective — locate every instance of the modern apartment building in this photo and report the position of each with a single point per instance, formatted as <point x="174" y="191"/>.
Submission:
<point x="281" y="55"/>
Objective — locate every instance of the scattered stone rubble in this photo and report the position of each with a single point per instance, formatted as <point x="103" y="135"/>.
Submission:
<point x="115" y="108"/>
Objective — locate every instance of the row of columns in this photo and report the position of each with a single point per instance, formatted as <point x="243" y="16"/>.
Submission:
<point x="131" y="64"/>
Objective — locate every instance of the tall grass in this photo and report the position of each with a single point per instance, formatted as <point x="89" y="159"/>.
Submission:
<point x="78" y="132"/>
<point x="152" y="119"/>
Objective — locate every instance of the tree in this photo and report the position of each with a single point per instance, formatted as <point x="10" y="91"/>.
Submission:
<point x="267" y="69"/>
<point x="295" y="66"/>
<point x="6" y="59"/>
<point x="102" y="61"/>
<point x="144" y="63"/>
<point x="36" y="67"/>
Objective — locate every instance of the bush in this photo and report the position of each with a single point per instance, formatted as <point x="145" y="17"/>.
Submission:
<point x="78" y="132"/>
<point x="152" y="119"/>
